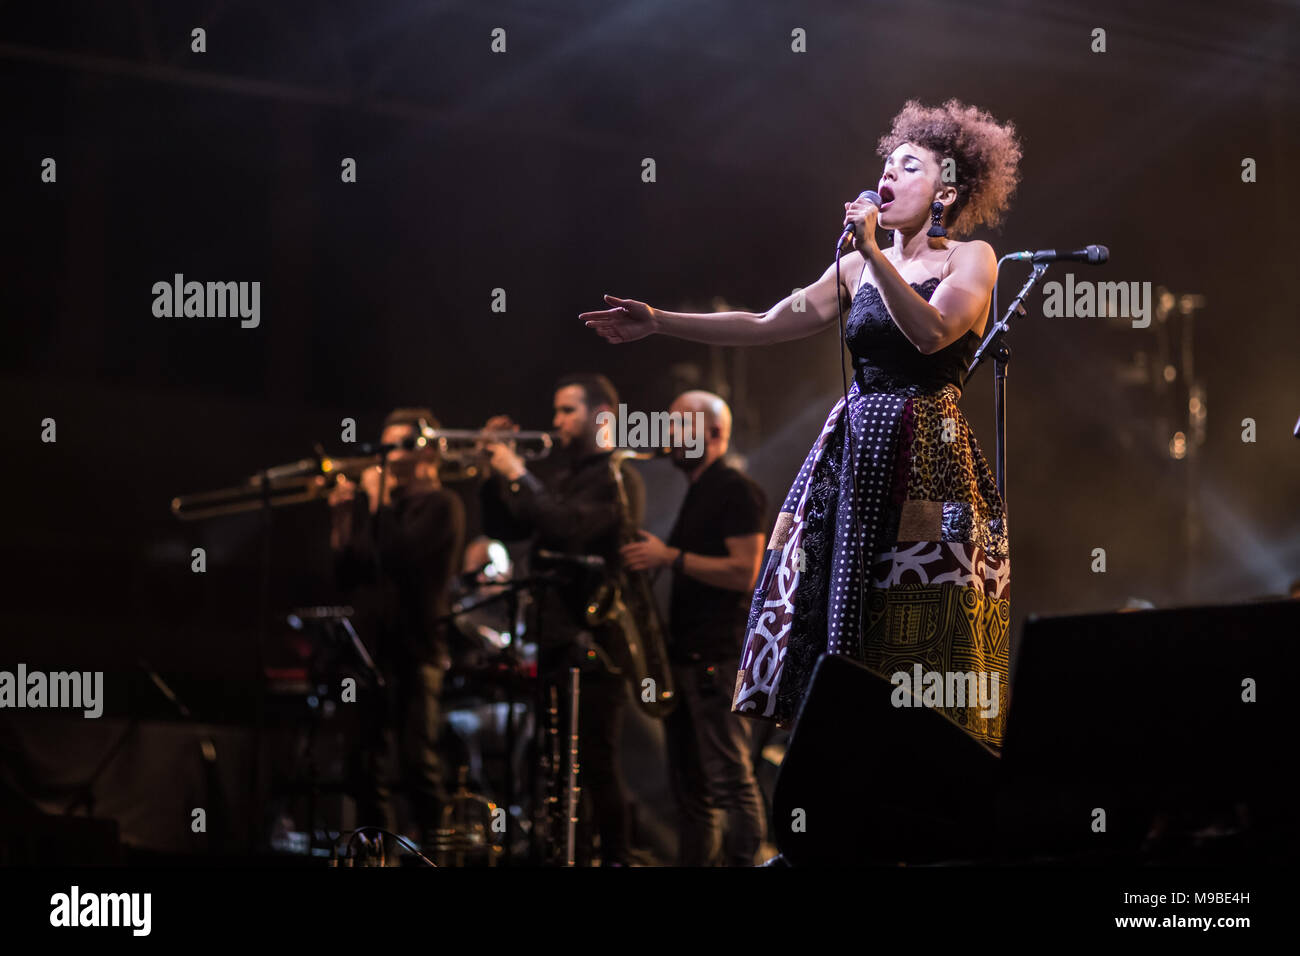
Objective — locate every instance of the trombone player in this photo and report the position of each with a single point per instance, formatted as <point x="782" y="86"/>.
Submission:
<point x="397" y="535"/>
<point x="575" y="512"/>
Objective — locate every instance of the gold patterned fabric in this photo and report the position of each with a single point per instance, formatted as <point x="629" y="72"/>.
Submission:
<point x="895" y="484"/>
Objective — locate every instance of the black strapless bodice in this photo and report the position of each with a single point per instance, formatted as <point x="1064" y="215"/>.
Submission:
<point x="885" y="361"/>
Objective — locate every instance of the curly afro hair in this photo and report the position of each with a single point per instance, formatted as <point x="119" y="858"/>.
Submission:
<point x="986" y="152"/>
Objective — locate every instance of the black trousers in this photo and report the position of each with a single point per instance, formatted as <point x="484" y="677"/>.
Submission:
<point x="711" y="762"/>
<point x="408" y="713"/>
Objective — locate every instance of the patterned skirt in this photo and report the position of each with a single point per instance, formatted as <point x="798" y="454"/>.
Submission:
<point x="931" y="536"/>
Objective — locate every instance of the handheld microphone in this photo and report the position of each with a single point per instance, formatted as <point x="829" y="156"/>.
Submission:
<point x="851" y="231"/>
<point x="1093" y="255"/>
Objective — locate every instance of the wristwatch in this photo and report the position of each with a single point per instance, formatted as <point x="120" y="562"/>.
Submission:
<point x="679" y="562"/>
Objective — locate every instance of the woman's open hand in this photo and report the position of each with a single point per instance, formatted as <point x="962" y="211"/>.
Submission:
<point x="625" y="321"/>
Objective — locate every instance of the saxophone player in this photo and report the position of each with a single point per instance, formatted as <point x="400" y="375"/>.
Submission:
<point x="715" y="550"/>
<point x="576" y="512"/>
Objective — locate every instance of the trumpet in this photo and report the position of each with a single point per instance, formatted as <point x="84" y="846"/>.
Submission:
<point x="461" y="451"/>
<point x="466" y="447"/>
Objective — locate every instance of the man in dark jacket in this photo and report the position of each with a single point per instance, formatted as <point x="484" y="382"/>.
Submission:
<point x="397" y="537"/>
<point x="575" y="512"/>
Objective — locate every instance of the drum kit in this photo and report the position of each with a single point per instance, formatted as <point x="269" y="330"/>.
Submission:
<point x="500" y="716"/>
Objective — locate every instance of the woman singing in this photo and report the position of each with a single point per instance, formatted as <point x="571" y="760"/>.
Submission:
<point x="895" y="486"/>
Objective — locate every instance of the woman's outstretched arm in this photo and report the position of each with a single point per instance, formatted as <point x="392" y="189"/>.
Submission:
<point x="803" y="313"/>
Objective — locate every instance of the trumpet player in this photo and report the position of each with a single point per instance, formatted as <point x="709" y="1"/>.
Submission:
<point x="576" y="512"/>
<point x="397" y="535"/>
<point x="715" y="550"/>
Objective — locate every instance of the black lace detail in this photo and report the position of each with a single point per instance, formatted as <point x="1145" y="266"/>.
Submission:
<point x="885" y="361"/>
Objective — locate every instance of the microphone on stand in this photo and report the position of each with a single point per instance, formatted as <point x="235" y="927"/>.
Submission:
<point x="649" y="454"/>
<point x="851" y="231"/>
<point x="1093" y="255"/>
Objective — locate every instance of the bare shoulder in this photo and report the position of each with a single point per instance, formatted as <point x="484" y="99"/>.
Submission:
<point x="972" y="251"/>
<point x="852" y="264"/>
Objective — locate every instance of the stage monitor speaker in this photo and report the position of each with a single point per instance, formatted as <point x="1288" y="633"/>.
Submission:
<point x="1121" y="726"/>
<point x="866" y="782"/>
<point x="30" y="838"/>
<point x="1186" y="713"/>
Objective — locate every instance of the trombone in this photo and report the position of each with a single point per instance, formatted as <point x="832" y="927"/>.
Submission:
<point x="460" y="451"/>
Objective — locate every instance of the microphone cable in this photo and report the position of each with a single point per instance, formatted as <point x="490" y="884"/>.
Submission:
<point x="854" y="526"/>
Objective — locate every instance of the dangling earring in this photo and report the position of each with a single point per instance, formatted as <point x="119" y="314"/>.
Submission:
<point x="936" y="220"/>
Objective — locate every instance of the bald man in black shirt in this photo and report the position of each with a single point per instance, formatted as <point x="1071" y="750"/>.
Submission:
<point x="715" y="550"/>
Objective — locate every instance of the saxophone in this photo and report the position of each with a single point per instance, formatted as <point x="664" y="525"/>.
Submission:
<point x="625" y="603"/>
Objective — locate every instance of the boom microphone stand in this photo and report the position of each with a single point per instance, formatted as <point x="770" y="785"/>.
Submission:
<point x="994" y="345"/>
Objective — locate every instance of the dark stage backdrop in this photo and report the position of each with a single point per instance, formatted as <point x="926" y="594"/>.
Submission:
<point x="521" y="171"/>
